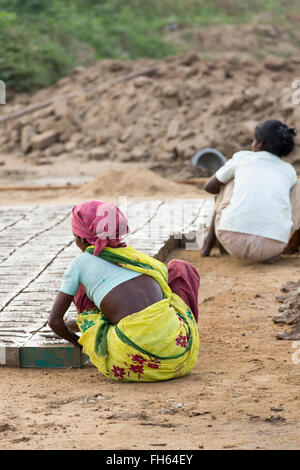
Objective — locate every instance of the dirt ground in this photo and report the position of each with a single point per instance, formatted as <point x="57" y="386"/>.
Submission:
<point x="82" y="181"/>
<point x="243" y="394"/>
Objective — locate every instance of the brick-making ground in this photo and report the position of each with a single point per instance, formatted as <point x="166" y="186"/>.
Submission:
<point x="131" y="137"/>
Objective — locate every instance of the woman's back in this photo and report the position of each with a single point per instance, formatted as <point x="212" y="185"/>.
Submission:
<point x="97" y="275"/>
<point x="260" y="204"/>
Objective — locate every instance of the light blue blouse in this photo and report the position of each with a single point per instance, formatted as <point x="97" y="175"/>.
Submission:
<point x="97" y="275"/>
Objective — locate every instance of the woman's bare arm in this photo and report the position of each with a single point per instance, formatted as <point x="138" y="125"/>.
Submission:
<point x="210" y="238"/>
<point x="56" y="322"/>
<point x="213" y="185"/>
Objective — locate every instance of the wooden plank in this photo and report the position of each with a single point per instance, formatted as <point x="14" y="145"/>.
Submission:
<point x="38" y="188"/>
<point x="50" y="356"/>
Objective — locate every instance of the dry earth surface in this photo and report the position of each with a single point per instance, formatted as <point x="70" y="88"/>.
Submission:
<point x="245" y="391"/>
<point x="243" y="394"/>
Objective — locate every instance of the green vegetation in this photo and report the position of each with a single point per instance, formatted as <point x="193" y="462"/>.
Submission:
<point x="42" y="41"/>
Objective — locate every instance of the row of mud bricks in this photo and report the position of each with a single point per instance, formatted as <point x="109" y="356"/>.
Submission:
<point x="37" y="246"/>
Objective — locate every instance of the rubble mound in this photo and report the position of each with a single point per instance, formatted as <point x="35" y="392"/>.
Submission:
<point x="162" y="117"/>
<point x="289" y="310"/>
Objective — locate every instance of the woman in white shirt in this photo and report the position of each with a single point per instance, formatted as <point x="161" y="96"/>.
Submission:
<point x="255" y="215"/>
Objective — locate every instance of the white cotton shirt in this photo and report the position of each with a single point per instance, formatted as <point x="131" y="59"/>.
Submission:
<point x="260" y="204"/>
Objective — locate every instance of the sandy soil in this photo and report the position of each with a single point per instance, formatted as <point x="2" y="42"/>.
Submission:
<point x="103" y="180"/>
<point x="243" y="394"/>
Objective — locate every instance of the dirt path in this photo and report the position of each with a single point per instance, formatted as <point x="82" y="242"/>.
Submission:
<point x="243" y="394"/>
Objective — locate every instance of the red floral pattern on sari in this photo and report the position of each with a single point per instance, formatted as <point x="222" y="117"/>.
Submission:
<point x="138" y="366"/>
<point x="182" y="341"/>
<point x="138" y="358"/>
<point x="137" y="369"/>
<point x="118" y="372"/>
<point x="153" y="363"/>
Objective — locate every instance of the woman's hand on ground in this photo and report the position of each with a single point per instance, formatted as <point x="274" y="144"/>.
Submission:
<point x="56" y="322"/>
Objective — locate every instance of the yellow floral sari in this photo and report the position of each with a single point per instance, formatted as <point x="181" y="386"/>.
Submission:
<point x="160" y="342"/>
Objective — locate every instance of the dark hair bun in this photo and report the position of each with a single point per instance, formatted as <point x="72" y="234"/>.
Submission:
<point x="292" y="131"/>
<point x="276" y="136"/>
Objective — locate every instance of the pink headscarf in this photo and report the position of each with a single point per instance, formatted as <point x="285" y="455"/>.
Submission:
<point x="100" y="223"/>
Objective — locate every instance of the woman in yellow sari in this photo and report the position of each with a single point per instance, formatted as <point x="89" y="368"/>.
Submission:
<point x="137" y="316"/>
